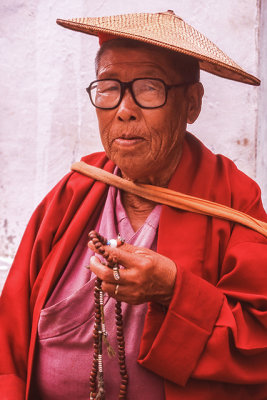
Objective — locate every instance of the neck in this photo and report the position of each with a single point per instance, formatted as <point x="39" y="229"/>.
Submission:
<point x="157" y="178"/>
<point x="138" y="208"/>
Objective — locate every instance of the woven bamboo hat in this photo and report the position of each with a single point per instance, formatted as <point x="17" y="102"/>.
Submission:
<point x="165" y="30"/>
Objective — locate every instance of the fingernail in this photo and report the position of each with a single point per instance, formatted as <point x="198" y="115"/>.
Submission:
<point x="93" y="260"/>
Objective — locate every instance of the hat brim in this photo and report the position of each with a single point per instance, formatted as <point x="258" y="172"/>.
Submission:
<point x="167" y="31"/>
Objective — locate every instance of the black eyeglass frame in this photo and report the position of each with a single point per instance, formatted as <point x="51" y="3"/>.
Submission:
<point x="129" y="85"/>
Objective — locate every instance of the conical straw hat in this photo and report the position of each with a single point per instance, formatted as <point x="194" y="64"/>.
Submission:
<point x="165" y="30"/>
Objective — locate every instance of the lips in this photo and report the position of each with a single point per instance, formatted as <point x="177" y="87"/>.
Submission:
<point x="128" y="140"/>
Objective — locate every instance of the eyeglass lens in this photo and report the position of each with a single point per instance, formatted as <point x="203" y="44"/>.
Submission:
<point x="148" y="93"/>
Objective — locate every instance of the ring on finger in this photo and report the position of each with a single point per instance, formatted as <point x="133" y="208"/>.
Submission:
<point x="116" y="273"/>
<point x="116" y="290"/>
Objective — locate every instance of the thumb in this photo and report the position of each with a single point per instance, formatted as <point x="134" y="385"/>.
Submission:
<point x="126" y="255"/>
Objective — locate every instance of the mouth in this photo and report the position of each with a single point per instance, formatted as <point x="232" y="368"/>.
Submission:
<point x="129" y="140"/>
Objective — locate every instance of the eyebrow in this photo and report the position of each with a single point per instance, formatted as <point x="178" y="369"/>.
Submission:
<point x="146" y="72"/>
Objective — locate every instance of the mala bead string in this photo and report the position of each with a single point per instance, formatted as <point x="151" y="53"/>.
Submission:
<point x="100" y="375"/>
<point x="96" y="336"/>
<point x="121" y="351"/>
<point x="100" y="334"/>
<point x="115" y="242"/>
<point x="110" y="350"/>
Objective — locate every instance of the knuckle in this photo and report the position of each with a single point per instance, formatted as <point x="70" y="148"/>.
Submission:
<point x="146" y="263"/>
<point x="106" y="287"/>
<point x="105" y="275"/>
<point x="134" y="300"/>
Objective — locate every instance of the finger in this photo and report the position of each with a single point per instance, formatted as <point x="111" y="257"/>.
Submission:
<point x="124" y="245"/>
<point x="114" y="290"/>
<point x="134" y="259"/>
<point x="104" y="272"/>
<point x="124" y="255"/>
<point x="109" y="253"/>
<point x="121" y="293"/>
<point x="127" y="255"/>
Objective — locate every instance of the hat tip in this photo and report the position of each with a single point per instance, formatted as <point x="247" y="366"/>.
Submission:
<point x="171" y="13"/>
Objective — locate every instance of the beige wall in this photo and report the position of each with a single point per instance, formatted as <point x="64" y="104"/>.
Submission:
<point x="47" y="122"/>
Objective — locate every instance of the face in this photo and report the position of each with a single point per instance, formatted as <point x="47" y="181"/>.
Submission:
<point x="145" y="144"/>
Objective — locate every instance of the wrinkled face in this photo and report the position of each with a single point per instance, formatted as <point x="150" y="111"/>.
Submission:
<point x="144" y="143"/>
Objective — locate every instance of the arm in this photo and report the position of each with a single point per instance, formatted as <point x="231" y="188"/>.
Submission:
<point x="210" y="331"/>
<point x="216" y="333"/>
<point x="56" y="225"/>
<point x="174" y="297"/>
<point x="15" y="301"/>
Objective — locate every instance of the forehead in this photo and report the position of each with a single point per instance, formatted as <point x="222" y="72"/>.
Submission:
<point x="149" y="61"/>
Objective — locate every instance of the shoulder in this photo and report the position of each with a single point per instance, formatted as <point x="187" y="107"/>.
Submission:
<point x="74" y="182"/>
<point x="97" y="159"/>
<point x="55" y="212"/>
<point x="70" y="191"/>
<point x="221" y="180"/>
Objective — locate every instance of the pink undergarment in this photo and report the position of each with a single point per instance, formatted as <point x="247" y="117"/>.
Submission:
<point x="65" y="344"/>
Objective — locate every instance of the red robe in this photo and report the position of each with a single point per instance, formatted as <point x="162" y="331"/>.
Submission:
<point x="212" y="341"/>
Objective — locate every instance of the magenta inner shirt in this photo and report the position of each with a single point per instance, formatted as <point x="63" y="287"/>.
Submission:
<point x="65" y="343"/>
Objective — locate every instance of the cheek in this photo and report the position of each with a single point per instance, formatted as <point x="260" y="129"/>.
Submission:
<point x="168" y="138"/>
<point x="103" y="119"/>
<point x="165" y="128"/>
<point x="177" y="121"/>
<point x="104" y="123"/>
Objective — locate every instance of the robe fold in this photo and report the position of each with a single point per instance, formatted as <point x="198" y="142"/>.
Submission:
<point x="212" y="341"/>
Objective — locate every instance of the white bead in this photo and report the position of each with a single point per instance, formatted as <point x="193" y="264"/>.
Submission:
<point x="113" y="242"/>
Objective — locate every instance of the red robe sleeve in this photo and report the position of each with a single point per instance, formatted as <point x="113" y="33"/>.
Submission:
<point x="48" y="241"/>
<point x="215" y="329"/>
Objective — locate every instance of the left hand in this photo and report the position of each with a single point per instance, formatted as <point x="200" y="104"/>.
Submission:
<point x="146" y="276"/>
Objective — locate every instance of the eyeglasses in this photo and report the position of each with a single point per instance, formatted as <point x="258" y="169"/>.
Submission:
<point x="147" y="93"/>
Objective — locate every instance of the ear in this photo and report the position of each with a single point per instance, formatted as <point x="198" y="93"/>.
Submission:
<point x="194" y="96"/>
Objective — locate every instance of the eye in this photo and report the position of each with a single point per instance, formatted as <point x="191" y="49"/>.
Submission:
<point x="148" y="86"/>
<point x="108" y="87"/>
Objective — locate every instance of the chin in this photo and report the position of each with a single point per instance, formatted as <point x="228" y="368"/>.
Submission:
<point x="137" y="167"/>
<point x="132" y="172"/>
<point x="131" y="175"/>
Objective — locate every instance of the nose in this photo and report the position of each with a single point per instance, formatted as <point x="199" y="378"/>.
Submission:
<point x="127" y="109"/>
